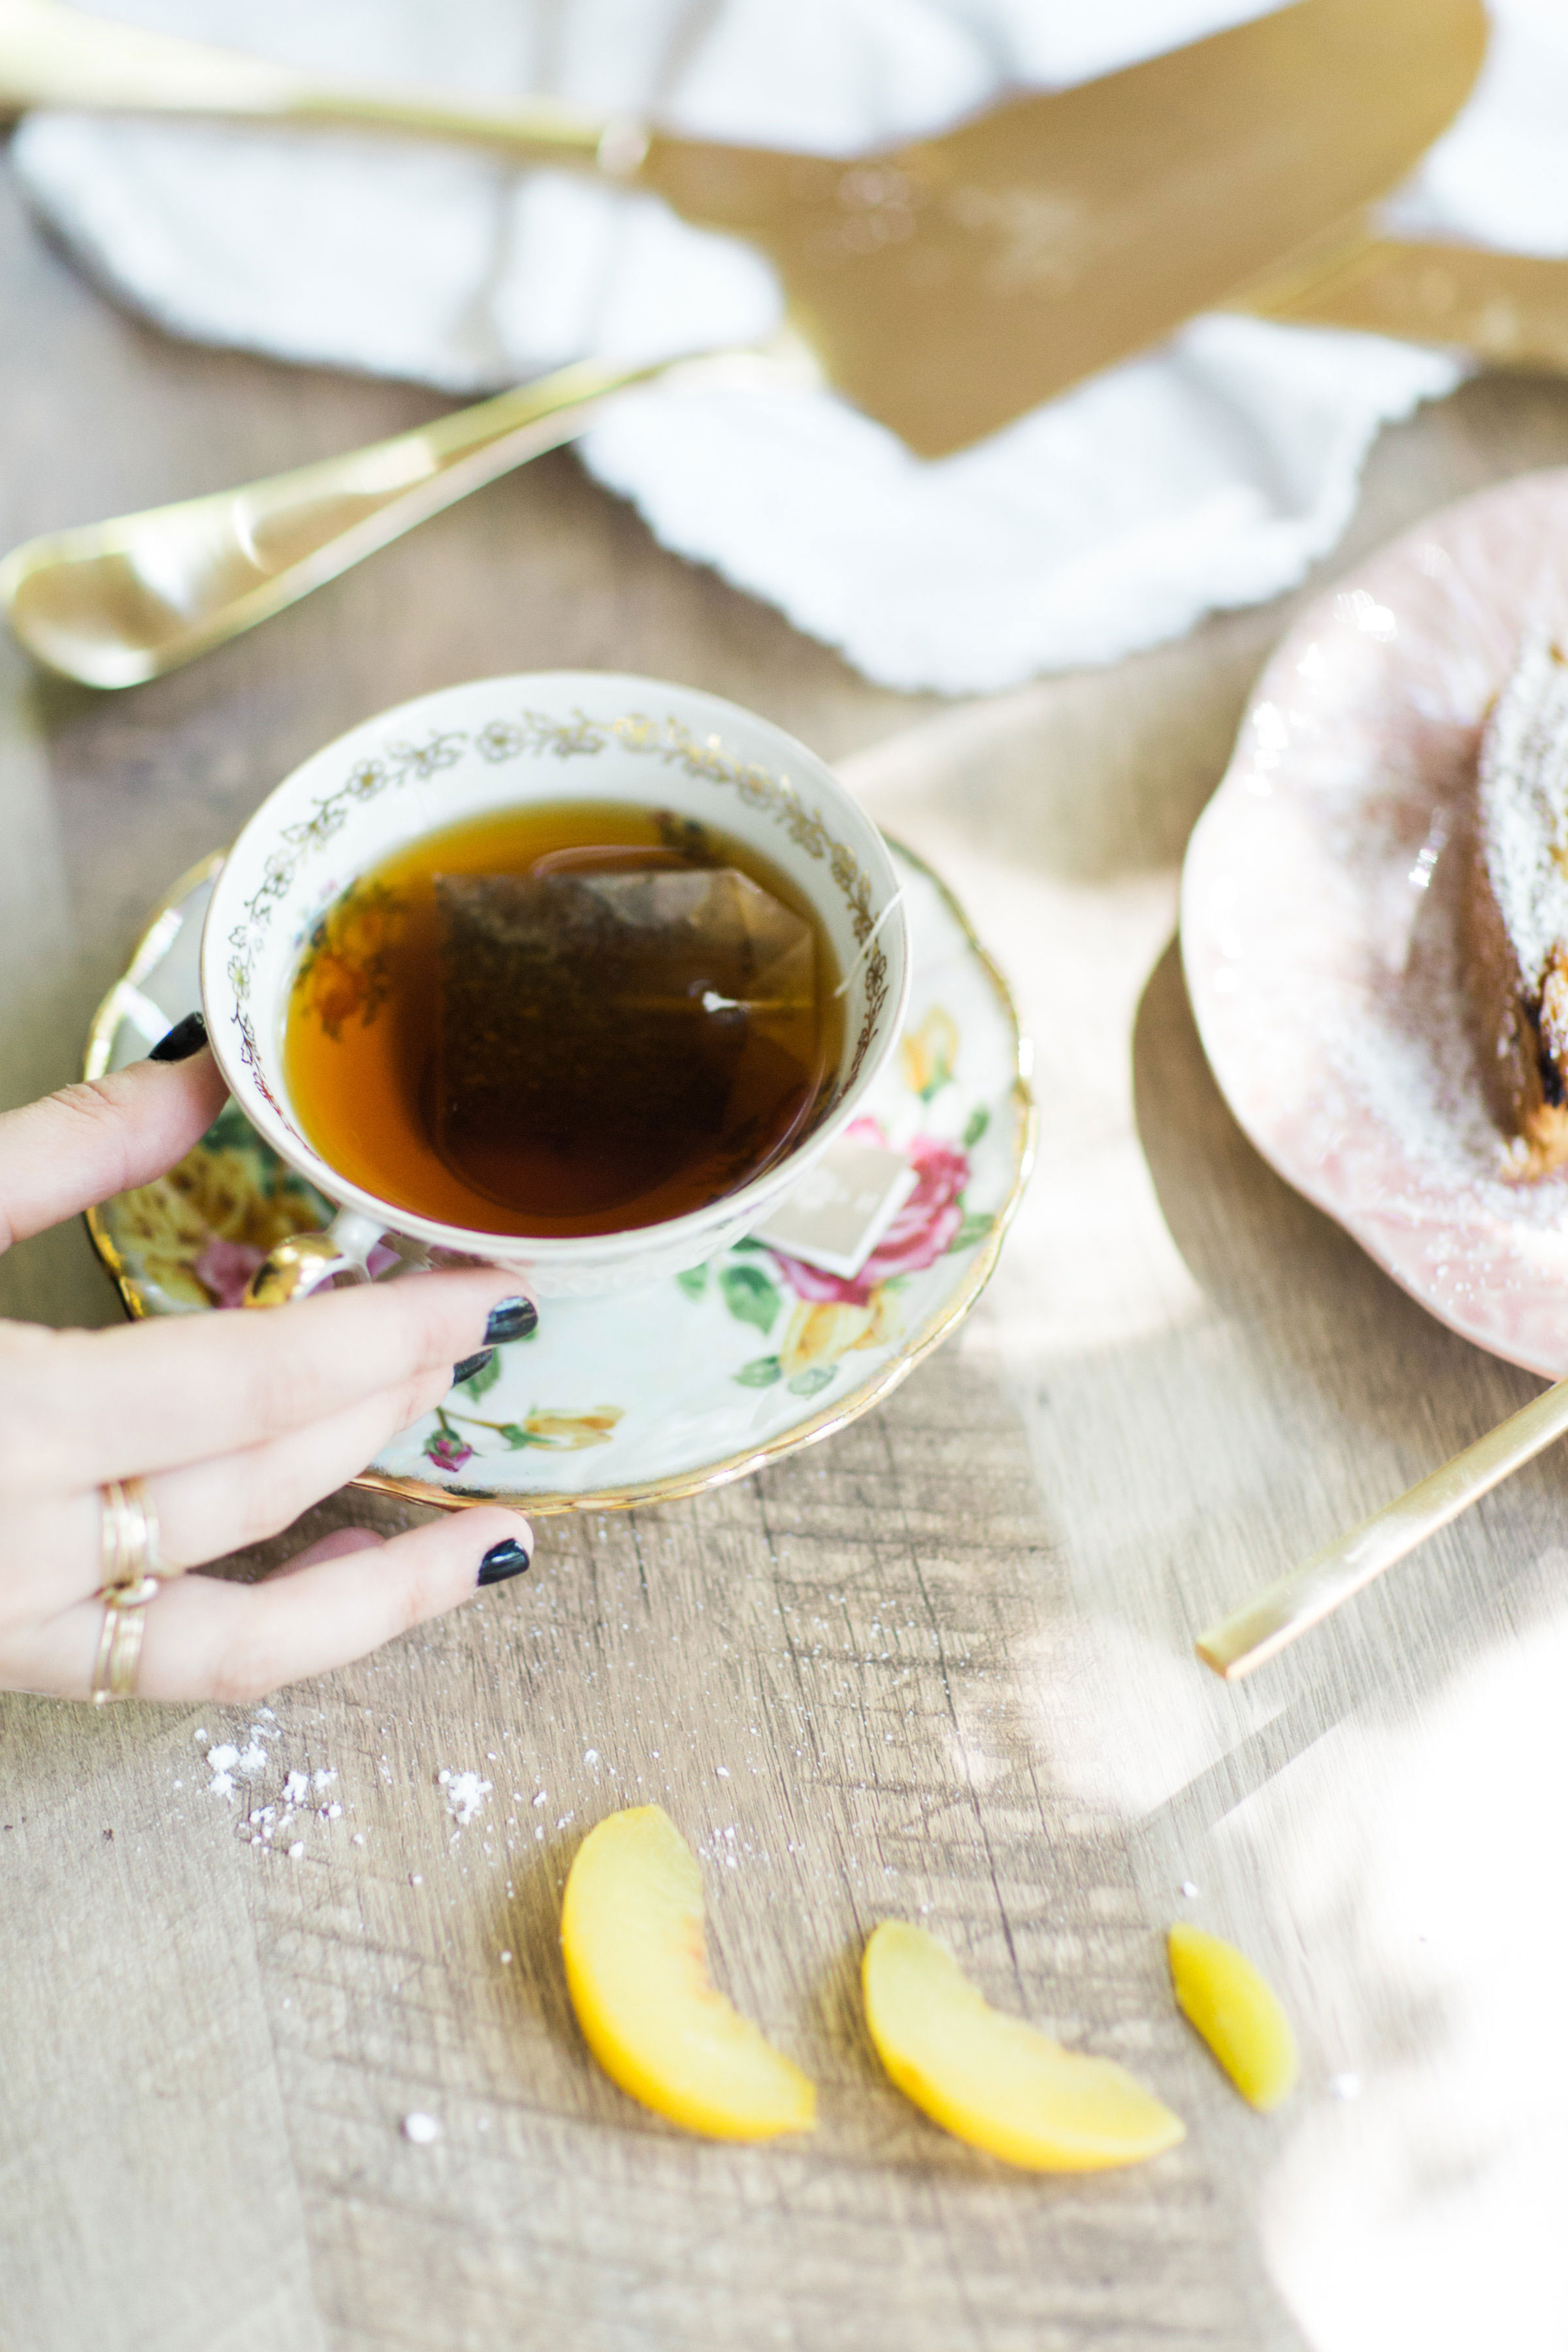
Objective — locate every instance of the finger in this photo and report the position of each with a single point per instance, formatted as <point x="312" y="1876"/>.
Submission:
<point x="80" y="1407"/>
<point x="337" y="1546"/>
<point x="236" y="1499"/>
<point x="91" y="1141"/>
<point x="236" y="1644"/>
<point x="211" y="1509"/>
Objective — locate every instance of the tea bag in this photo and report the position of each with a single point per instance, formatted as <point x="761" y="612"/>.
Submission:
<point x="598" y="1019"/>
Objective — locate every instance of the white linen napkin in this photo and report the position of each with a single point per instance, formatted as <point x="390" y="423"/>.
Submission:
<point x="1209" y="473"/>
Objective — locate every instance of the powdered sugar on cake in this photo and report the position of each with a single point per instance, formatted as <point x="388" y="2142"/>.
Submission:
<point x="1523" y="807"/>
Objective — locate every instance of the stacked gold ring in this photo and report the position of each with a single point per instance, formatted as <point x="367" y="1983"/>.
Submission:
<point x="133" y="1571"/>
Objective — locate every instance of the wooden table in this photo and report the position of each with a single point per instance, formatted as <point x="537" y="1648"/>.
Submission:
<point x="940" y="1667"/>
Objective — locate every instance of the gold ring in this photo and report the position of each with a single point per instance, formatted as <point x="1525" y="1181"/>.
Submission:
<point x="128" y="1535"/>
<point x="133" y="1567"/>
<point x="119" y="1641"/>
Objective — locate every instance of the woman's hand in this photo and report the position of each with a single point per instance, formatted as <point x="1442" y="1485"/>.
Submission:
<point x="235" y="1423"/>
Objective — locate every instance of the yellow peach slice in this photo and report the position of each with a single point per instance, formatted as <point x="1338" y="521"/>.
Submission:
<point x="992" y="2079"/>
<point x="1236" y="2012"/>
<point x="636" y="1969"/>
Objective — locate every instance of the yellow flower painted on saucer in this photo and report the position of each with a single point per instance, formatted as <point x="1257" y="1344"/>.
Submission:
<point x="636" y="1969"/>
<point x="1238" y="2013"/>
<point x="568" y="1432"/>
<point x="821" y="1331"/>
<point x="993" y="2080"/>
<point x="928" y="1053"/>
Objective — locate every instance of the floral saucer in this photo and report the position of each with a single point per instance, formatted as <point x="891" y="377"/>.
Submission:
<point x="1320" y="905"/>
<point x="652" y="1394"/>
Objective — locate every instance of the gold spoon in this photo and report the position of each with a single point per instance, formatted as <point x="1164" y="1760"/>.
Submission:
<point x="116" y="603"/>
<point x="1272" y="1620"/>
<point x="951" y="284"/>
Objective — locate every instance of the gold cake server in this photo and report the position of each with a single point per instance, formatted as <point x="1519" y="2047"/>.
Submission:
<point x="950" y="284"/>
<point x="1508" y="309"/>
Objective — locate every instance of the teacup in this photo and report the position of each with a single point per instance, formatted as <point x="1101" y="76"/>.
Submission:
<point x="500" y="744"/>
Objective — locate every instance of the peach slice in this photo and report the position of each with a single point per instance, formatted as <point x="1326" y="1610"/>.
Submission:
<point x="636" y="1969"/>
<point x="1236" y="2012"/>
<point x="992" y="2079"/>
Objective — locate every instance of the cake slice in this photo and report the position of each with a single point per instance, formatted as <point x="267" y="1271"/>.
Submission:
<point x="1516" y="911"/>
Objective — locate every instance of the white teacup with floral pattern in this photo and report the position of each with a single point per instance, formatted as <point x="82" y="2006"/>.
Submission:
<point x="500" y="744"/>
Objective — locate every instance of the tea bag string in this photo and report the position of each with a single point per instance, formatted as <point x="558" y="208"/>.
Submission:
<point x="868" y="942"/>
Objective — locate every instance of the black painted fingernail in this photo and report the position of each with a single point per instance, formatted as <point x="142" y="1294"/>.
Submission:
<point x="514" y="1319"/>
<point x="504" y="1560"/>
<point x="186" y="1038"/>
<point x="470" y="1365"/>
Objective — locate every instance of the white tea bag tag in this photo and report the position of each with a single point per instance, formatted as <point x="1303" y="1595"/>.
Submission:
<point x="841" y="1208"/>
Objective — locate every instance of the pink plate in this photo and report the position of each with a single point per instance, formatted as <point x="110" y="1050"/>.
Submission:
<point x="1319" y="917"/>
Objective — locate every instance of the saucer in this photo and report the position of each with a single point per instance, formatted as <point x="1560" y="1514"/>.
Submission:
<point x="1319" y="917"/>
<point x="657" y="1393"/>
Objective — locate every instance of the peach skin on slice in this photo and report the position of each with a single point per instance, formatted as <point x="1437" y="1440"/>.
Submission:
<point x="993" y="2080"/>
<point x="636" y="1969"/>
<point x="1238" y="2013"/>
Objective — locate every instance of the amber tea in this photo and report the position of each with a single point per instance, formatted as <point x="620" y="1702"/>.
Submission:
<point x="573" y="1018"/>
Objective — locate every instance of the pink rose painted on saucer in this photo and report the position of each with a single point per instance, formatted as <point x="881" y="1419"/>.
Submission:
<point x="923" y="1230"/>
<point x="1319" y="917"/>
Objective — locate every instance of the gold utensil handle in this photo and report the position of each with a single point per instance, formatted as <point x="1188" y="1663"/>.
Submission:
<point x="1276" y="1618"/>
<point x="1508" y="309"/>
<point x="54" y="56"/>
<point x="115" y="603"/>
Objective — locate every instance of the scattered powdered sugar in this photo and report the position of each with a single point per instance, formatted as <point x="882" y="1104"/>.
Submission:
<point x="301" y="1795"/>
<point x="422" y="2129"/>
<point x="228" y="1764"/>
<point x="466" y="1792"/>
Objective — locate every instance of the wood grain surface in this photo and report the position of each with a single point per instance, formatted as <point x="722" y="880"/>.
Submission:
<point x="938" y="1668"/>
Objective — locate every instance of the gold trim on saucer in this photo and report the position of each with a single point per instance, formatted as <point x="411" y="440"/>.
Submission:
<point x="148" y="952"/>
<point x="683" y="1484"/>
